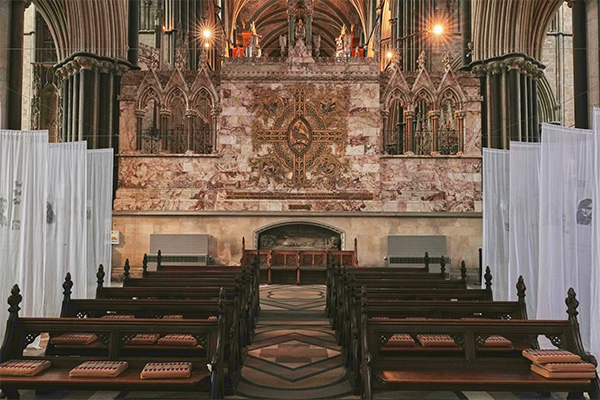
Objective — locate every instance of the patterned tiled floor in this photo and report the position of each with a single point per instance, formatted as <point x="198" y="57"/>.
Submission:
<point x="294" y="353"/>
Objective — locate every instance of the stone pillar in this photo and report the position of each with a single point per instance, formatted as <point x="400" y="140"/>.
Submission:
<point x="580" y="74"/>
<point x="509" y="86"/>
<point x="291" y="31"/>
<point x="435" y="116"/>
<point x="460" y="118"/>
<point x="215" y="120"/>
<point x="387" y="135"/>
<point x="394" y="38"/>
<point x="139" y="115"/>
<point x="133" y="32"/>
<point x="465" y="15"/>
<point x="189" y="119"/>
<point x="90" y="108"/>
<point x="309" y="30"/>
<point x="409" y="115"/>
<point x="15" y="65"/>
<point x="164" y="128"/>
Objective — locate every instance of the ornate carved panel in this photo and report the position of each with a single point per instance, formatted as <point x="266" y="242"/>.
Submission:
<point x="299" y="140"/>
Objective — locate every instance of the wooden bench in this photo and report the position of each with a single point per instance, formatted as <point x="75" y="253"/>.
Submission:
<point x="467" y="366"/>
<point x="421" y="289"/>
<point x="143" y="308"/>
<point x="247" y="317"/>
<point x="207" y="367"/>
<point x="337" y="276"/>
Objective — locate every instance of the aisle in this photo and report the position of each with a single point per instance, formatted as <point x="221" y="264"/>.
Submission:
<point x="294" y="353"/>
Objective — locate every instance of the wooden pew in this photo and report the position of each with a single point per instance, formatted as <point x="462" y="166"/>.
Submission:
<point x="347" y="285"/>
<point x="183" y="293"/>
<point x="468" y="366"/>
<point x="337" y="274"/>
<point x="249" y="276"/>
<point x="207" y="369"/>
<point x="423" y="309"/>
<point x="143" y="308"/>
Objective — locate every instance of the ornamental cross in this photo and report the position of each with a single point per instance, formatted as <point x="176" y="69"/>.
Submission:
<point x="299" y="136"/>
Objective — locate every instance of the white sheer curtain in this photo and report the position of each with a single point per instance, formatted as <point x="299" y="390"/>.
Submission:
<point x="566" y="197"/>
<point x="525" y="159"/>
<point x="22" y="219"/>
<point x="594" y="347"/>
<point x="66" y="222"/>
<point x="496" y="219"/>
<point x="99" y="195"/>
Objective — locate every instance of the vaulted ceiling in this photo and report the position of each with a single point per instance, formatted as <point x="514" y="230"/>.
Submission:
<point x="271" y="19"/>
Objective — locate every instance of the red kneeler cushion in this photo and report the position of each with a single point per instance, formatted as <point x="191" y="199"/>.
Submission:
<point x="23" y="367"/>
<point x="167" y="370"/>
<point x="99" y="369"/>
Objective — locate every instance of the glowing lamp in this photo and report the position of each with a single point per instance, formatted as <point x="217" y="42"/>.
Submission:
<point x="438" y="29"/>
<point x="207" y="33"/>
<point x="389" y="54"/>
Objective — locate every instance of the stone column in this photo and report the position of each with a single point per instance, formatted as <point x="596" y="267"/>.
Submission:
<point x="164" y="128"/>
<point x="189" y="119"/>
<point x="394" y="38"/>
<point x="133" y="32"/>
<point x="215" y="120"/>
<point x="386" y="135"/>
<point x="292" y="21"/>
<point x="90" y="87"/>
<point x="460" y="118"/>
<point x="15" y="65"/>
<point x="465" y="15"/>
<point x="580" y="74"/>
<point x="435" y="116"/>
<point x="509" y="85"/>
<point x="409" y="115"/>
<point x="139" y="115"/>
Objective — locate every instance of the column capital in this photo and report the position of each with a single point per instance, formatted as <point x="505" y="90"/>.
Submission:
<point x="86" y="62"/>
<point x="409" y="114"/>
<point x="434" y="114"/>
<point x="460" y="114"/>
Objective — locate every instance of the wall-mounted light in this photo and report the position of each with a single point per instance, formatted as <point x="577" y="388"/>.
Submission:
<point x="207" y="33"/>
<point x="438" y="29"/>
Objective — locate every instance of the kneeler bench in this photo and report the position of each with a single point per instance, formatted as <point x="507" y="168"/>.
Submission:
<point x="468" y="367"/>
<point x="207" y="367"/>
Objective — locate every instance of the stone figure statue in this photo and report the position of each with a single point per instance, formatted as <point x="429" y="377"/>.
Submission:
<point x="300" y="31"/>
<point x="317" y="44"/>
<point x="282" y="43"/>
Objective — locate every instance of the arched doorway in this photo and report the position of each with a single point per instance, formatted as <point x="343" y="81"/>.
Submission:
<point x="294" y="235"/>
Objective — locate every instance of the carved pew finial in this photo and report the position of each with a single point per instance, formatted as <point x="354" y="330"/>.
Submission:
<point x="426" y="260"/>
<point x="145" y="265"/>
<point x="126" y="270"/>
<point x="100" y="280"/>
<point x="521" y="288"/>
<point x="158" y="260"/>
<point x="463" y="271"/>
<point x="13" y="301"/>
<point x="363" y="299"/>
<point x="488" y="279"/>
<point x="572" y="304"/>
<point x="222" y="300"/>
<point x="443" y="266"/>
<point x="67" y="285"/>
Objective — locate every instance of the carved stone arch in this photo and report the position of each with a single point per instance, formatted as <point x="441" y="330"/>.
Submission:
<point x="395" y="94"/>
<point x="335" y="231"/>
<point x="175" y="93"/>
<point x="147" y="94"/>
<point x="450" y="93"/>
<point x="203" y="92"/>
<point x="422" y="93"/>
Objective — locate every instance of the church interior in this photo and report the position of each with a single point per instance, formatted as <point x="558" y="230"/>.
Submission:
<point x="311" y="199"/>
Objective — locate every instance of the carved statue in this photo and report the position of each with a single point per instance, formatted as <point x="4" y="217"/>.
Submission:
<point x="300" y="31"/>
<point x="317" y="44"/>
<point x="282" y="43"/>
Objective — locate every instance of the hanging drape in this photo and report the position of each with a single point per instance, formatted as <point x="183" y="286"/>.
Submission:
<point x="567" y="183"/>
<point x="66" y="222"/>
<point x="524" y="212"/>
<point x="22" y="219"/>
<point x="99" y="196"/>
<point x="594" y="347"/>
<point x="496" y="219"/>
